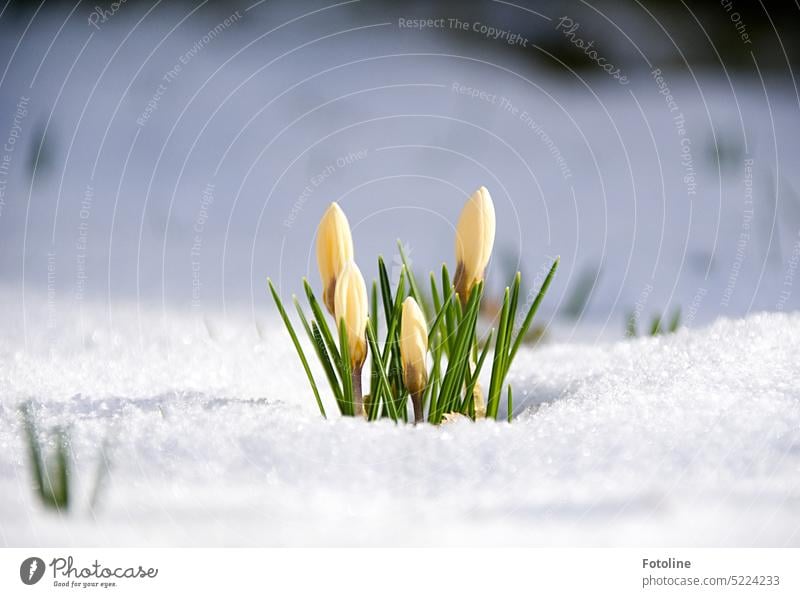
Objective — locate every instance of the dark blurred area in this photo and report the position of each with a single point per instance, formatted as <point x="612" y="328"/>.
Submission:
<point x="671" y="32"/>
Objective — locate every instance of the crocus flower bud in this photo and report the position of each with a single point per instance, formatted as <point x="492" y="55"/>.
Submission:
<point x="334" y="250"/>
<point x="413" y="346"/>
<point x="413" y="351"/>
<point x="350" y="306"/>
<point x="474" y="241"/>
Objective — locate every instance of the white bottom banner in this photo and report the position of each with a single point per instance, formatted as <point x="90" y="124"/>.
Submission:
<point x="401" y="572"/>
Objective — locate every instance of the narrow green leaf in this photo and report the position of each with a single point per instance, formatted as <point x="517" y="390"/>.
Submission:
<point x="532" y="311"/>
<point x="473" y="380"/>
<point x="457" y="362"/>
<point x="62" y="472"/>
<point x="655" y="326"/>
<point x="412" y="281"/>
<point x="345" y="371"/>
<point x="510" y="403"/>
<point x="400" y="293"/>
<point x="330" y="371"/>
<point x="319" y="315"/>
<point x="377" y="363"/>
<point x="318" y="343"/>
<point x="373" y="316"/>
<point x="450" y="318"/>
<point x="296" y="343"/>
<point x="630" y="325"/>
<point x="437" y="302"/>
<point x="675" y="322"/>
<point x="386" y="289"/>
<point x="500" y="355"/>
<point x="34" y="450"/>
<point x="438" y="320"/>
<point x="512" y="312"/>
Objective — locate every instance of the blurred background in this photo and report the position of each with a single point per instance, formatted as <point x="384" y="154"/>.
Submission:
<point x="175" y="154"/>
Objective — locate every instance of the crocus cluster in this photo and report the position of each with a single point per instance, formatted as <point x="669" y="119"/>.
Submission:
<point x="400" y="370"/>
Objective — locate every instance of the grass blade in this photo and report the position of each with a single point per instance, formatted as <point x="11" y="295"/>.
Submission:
<point x="345" y="371"/>
<point x="319" y="315"/>
<point x="655" y="326"/>
<point x="532" y="311"/>
<point x="500" y="356"/>
<point x="318" y="343"/>
<point x="377" y="363"/>
<point x="675" y="322"/>
<point x="437" y="303"/>
<point x="630" y="325"/>
<point x="457" y="363"/>
<point x="412" y="282"/>
<point x="297" y="346"/>
<point x="438" y="320"/>
<point x="330" y="372"/>
<point x="386" y="289"/>
<point x="473" y="380"/>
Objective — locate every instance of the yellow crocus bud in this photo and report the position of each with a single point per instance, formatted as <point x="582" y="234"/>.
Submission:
<point x="350" y="306"/>
<point x="474" y="241"/>
<point x="413" y="351"/>
<point x="334" y="250"/>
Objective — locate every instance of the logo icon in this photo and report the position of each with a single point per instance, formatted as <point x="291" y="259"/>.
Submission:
<point x="31" y="570"/>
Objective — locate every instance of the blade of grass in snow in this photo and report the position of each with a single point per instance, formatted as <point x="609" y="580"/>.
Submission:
<point x="322" y="354"/>
<point x="319" y="316"/>
<point x="384" y="380"/>
<point x="473" y="380"/>
<point x="498" y="365"/>
<point x="412" y="281"/>
<point x="675" y="322"/>
<point x="532" y="311"/>
<point x="296" y="343"/>
<point x="345" y="371"/>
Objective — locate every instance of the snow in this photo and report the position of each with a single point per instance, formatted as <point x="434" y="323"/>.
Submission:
<point x="687" y="439"/>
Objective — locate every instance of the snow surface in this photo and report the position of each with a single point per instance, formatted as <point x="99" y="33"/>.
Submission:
<point x="690" y="439"/>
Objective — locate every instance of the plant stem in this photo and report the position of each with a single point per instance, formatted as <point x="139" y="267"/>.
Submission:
<point x="358" y="399"/>
<point x="416" y="400"/>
